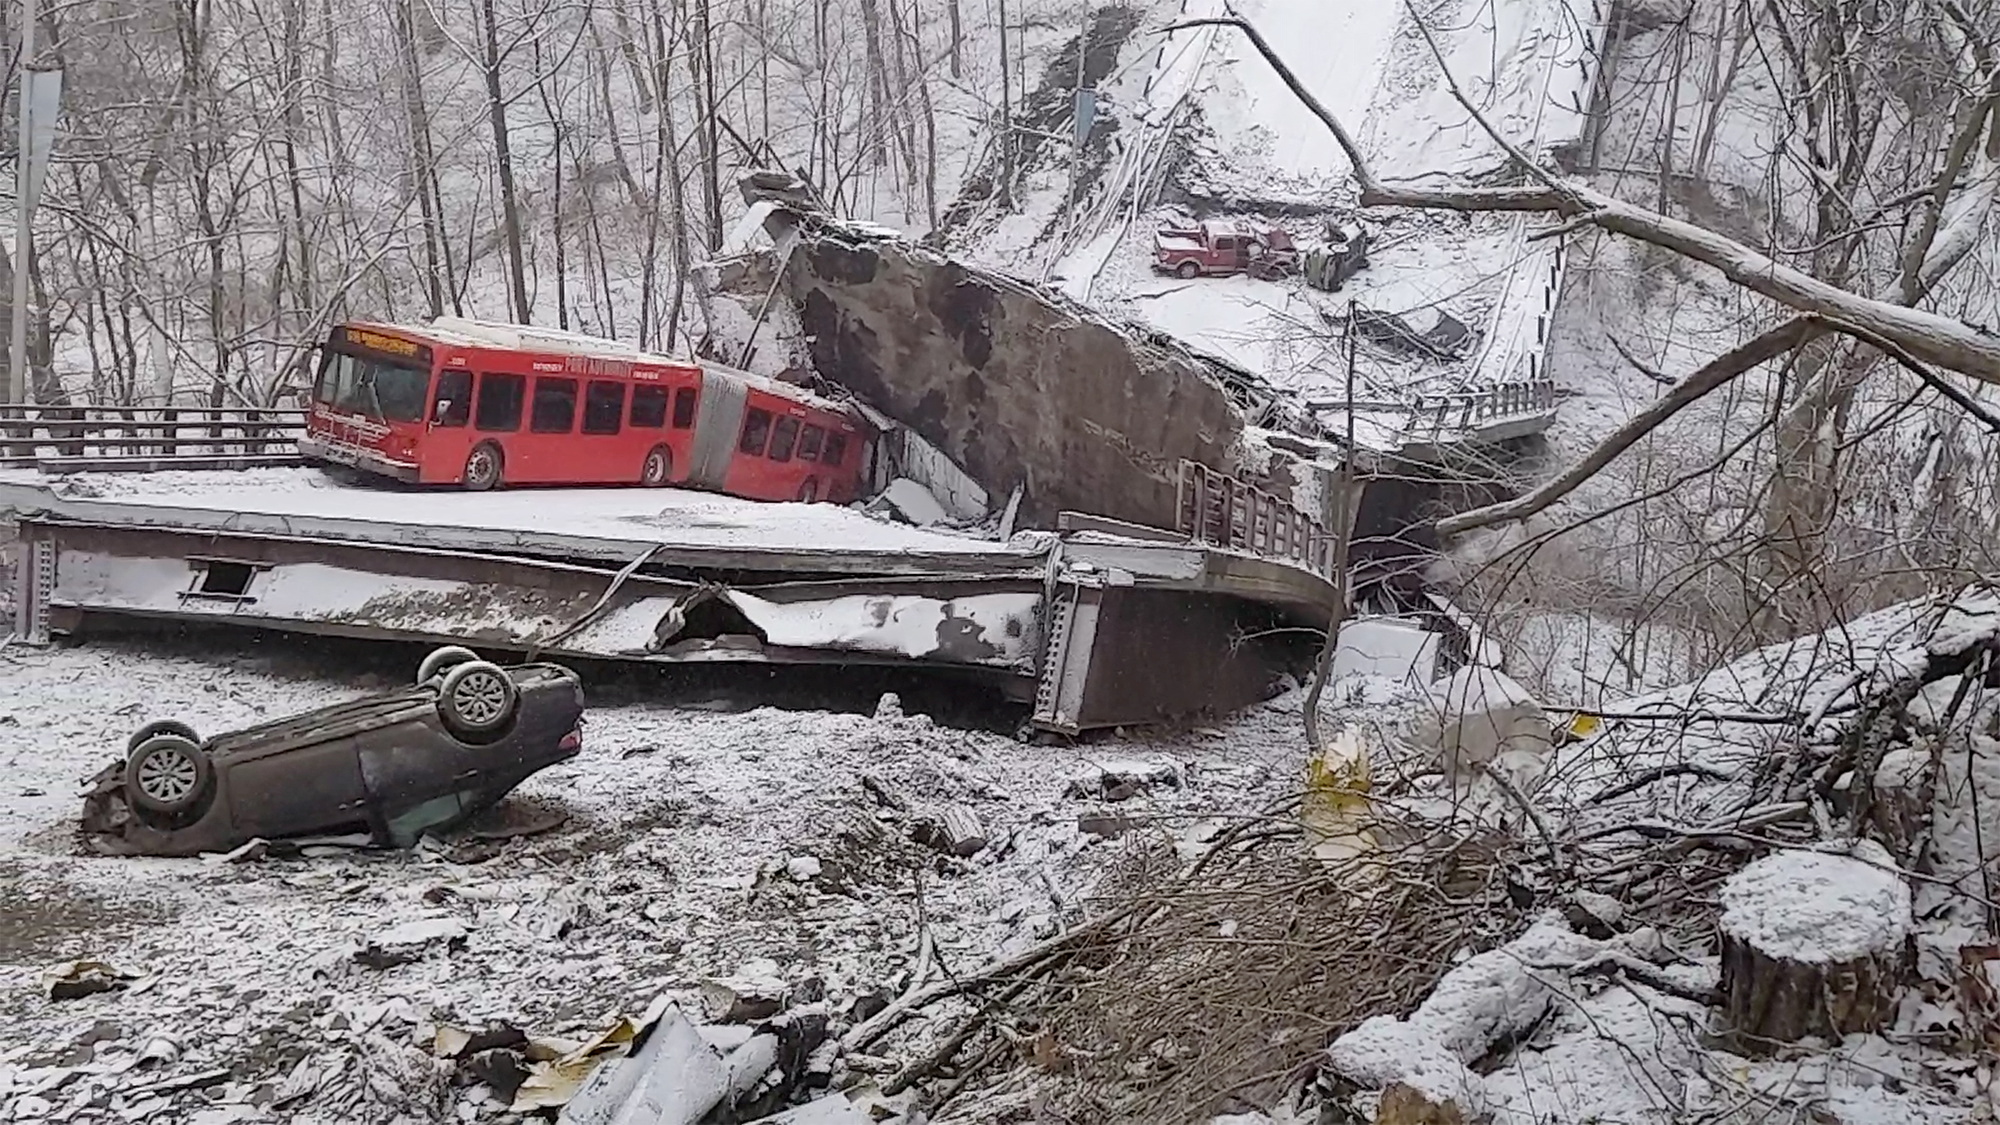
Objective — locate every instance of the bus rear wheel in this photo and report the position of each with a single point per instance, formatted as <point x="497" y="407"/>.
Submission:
<point x="658" y="468"/>
<point x="483" y="467"/>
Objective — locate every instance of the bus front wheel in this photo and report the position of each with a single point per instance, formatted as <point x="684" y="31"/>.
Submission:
<point x="658" y="467"/>
<point x="482" y="468"/>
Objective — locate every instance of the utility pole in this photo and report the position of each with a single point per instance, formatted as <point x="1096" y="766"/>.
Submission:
<point x="17" y="343"/>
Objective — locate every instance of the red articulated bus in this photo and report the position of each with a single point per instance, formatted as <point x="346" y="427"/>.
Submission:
<point x="481" y="405"/>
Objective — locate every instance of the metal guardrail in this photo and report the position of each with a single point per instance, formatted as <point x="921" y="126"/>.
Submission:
<point x="1434" y="414"/>
<point x="1218" y="509"/>
<point x="145" y="439"/>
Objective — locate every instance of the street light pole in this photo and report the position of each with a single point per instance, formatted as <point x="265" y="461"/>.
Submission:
<point x="17" y="344"/>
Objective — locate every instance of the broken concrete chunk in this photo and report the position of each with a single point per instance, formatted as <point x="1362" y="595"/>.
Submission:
<point x="754" y="992"/>
<point x="74" y="979"/>
<point x="912" y="502"/>
<point x="803" y="869"/>
<point x="1106" y="824"/>
<point x="1123" y="780"/>
<point x="411" y="941"/>
<point x="890" y="706"/>
<point x="961" y="835"/>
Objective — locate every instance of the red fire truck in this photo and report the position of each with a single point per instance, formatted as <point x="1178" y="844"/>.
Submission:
<point x="481" y="404"/>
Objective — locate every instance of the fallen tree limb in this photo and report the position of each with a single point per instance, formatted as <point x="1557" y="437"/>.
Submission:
<point x="908" y="1004"/>
<point x="1718" y="371"/>
<point x="1614" y="964"/>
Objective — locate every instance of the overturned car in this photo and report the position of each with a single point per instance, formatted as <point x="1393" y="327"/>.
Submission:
<point x="392" y="765"/>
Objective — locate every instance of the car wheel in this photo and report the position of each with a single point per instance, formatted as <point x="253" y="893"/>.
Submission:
<point x="483" y="467"/>
<point x="168" y="774"/>
<point x="1187" y="271"/>
<point x="477" y="698"/>
<point x="442" y="658"/>
<point x="163" y="726"/>
<point x="658" y="468"/>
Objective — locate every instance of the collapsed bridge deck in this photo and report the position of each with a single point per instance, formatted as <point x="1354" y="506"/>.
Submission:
<point x="1098" y="625"/>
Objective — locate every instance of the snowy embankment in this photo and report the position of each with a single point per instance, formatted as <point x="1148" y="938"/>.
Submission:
<point x="689" y="841"/>
<point x="1245" y="144"/>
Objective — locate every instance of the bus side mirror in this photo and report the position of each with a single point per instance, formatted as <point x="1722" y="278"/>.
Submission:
<point x="438" y="412"/>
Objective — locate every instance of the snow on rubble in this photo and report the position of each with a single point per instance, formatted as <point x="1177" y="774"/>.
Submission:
<point x="682" y="845"/>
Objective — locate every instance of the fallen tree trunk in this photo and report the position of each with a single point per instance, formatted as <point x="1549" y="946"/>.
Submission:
<point x="1814" y="944"/>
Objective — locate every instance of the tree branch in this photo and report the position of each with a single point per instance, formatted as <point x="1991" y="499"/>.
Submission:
<point x="1715" y="373"/>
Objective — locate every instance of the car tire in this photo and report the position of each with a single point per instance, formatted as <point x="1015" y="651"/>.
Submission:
<point x="161" y="726"/>
<point x="484" y="467"/>
<point x="441" y="658"/>
<point x="1187" y="271"/>
<point x="658" y="468"/>
<point x="477" y="698"/>
<point x="167" y="775"/>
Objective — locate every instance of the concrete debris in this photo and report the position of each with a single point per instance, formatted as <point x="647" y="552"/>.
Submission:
<point x="159" y="1050"/>
<point x="890" y="706"/>
<point x="411" y="942"/>
<point x="754" y="992"/>
<point x="960" y="833"/>
<point x="912" y="502"/>
<point x="1122" y="780"/>
<point x="803" y="868"/>
<point x="1106" y="824"/>
<point x="73" y="980"/>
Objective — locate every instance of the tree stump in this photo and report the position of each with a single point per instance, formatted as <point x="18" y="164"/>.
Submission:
<point x="1814" y="943"/>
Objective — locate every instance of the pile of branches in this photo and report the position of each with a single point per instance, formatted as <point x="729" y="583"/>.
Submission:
<point x="1199" y="990"/>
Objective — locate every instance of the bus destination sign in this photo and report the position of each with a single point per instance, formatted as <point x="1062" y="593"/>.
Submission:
<point x="391" y="345"/>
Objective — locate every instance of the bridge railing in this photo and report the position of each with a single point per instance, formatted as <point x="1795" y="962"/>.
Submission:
<point x="1218" y="509"/>
<point x="1470" y="411"/>
<point x="107" y="438"/>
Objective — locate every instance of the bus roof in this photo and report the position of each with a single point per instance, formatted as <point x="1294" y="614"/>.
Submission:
<point x="466" y="332"/>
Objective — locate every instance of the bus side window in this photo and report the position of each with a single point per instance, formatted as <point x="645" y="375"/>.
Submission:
<point x="684" y="404"/>
<point x="836" y="448"/>
<point x="555" y="406"/>
<point x="809" y="442"/>
<point x="649" y="408"/>
<point x="603" y="406"/>
<point x="756" y="430"/>
<point x="452" y="405"/>
<point x="782" y="436"/>
<point x="499" y="408"/>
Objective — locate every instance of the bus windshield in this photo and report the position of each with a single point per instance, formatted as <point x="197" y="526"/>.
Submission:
<point x="388" y="391"/>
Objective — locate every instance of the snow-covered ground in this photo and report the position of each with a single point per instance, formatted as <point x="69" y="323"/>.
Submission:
<point x="671" y="867"/>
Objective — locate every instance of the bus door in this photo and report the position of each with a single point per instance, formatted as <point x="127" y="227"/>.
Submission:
<point x="448" y="427"/>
